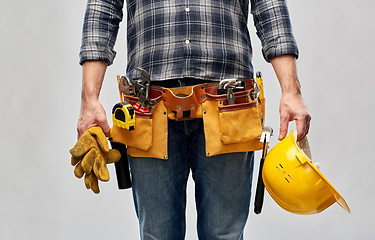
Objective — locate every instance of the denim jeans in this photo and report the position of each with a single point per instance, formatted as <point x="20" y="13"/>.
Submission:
<point x="222" y="188"/>
<point x="222" y="185"/>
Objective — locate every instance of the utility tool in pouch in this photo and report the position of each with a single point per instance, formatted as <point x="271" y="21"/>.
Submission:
<point x="229" y="87"/>
<point x="226" y="84"/>
<point x="142" y="90"/>
<point x="123" y="115"/>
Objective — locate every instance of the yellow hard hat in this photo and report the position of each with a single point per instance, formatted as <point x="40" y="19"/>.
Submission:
<point x="294" y="182"/>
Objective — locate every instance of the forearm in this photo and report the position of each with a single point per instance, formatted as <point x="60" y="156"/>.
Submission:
<point x="286" y="72"/>
<point x="92" y="112"/>
<point x="92" y="79"/>
<point x="292" y="105"/>
<point x="100" y="30"/>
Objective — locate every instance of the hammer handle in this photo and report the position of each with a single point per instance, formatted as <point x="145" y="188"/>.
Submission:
<point x="259" y="195"/>
<point x="122" y="167"/>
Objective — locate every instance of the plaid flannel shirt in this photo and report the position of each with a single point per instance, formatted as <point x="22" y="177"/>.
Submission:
<point x="173" y="39"/>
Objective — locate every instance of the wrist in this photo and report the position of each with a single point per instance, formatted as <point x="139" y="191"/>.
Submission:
<point x="89" y="95"/>
<point x="291" y="87"/>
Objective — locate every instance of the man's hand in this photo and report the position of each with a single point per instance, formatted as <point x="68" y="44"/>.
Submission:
<point x="292" y="106"/>
<point x="92" y="112"/>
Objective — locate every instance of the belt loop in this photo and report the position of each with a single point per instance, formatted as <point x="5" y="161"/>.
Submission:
<point x="193" y="111"/>
<point x="179" y="114"/>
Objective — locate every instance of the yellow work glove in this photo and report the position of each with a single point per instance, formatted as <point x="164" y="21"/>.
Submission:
<point x="90" y="157"/>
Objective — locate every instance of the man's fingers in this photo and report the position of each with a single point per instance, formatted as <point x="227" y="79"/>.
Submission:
<point x="106" y="128"/>
<point x="303" y="126"/>
<point x="284" y="122"/>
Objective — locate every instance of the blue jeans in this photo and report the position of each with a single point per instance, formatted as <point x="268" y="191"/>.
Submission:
<point x="222" y="188"/>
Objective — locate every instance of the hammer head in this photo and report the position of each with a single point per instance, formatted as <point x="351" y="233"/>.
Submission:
<point x="266" y="134"/>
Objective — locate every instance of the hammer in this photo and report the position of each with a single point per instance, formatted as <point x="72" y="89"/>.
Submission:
<point x="259" y="195"/>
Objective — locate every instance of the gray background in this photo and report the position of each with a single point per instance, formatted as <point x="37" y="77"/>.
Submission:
<point x="39" y="105"/>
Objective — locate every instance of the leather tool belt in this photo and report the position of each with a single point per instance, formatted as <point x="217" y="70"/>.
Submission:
<point x="234" y="127"/>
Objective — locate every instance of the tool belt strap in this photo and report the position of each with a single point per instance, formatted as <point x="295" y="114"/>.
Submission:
<point x="184" y="103"/>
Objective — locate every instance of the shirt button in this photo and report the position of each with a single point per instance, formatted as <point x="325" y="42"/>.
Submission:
<point x="187" y="41"/>
<point x="187" y="9"/>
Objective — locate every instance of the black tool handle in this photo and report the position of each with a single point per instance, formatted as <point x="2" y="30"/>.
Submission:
<point x="221" y="91"/>
<point x="122" y="167"/>
<point x="259" y="195"/>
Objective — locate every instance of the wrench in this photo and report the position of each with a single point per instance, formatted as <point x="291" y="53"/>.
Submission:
<point x="142" y="92"/>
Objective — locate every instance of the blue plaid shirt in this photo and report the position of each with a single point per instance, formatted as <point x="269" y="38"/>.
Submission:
<point x="173" y="39"/>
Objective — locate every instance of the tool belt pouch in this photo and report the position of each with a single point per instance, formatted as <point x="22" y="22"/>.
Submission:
<point x="150" y="135"/>
<point x="184" y="103"/>
<point x="232" y="128"/>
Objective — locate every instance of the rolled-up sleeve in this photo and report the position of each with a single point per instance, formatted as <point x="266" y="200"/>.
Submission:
<point x="274" y="29"/>
<point x="100" y="28"/>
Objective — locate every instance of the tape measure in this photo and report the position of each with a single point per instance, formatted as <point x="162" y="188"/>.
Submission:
<point x="123" y="115"/>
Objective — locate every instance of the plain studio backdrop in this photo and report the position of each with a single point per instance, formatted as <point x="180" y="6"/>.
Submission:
<point x="39" y="105"/>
